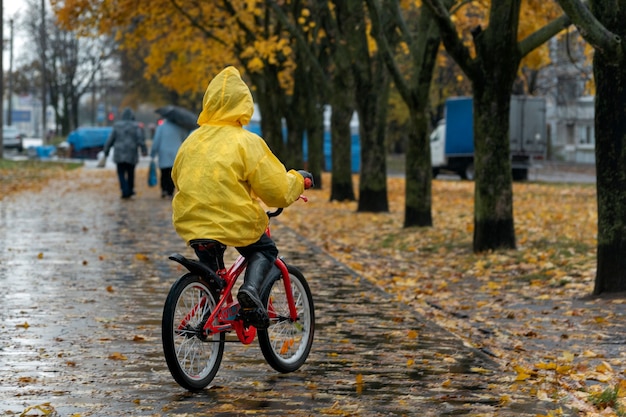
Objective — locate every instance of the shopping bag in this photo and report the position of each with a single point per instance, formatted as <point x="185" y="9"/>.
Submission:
<point x="102" y="160"/>
<point x="152" y="174"/>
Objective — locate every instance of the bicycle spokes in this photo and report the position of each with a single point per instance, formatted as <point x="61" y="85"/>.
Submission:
<point x="193" y="356"/>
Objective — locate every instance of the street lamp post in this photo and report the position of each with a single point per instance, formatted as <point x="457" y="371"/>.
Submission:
<point x="10" y="100"/>
<point x="43" y="72"/>
<point x="2" y="79"/>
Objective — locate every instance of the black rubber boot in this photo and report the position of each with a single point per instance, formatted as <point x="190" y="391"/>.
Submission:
<point x="252" y="308"/>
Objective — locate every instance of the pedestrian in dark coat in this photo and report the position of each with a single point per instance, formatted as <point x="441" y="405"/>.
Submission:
<point x="127" y="137"/>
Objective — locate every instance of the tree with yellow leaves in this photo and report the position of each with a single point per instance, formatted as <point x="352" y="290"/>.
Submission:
<point x="414" y="89"/>
<point x="490" y="57"/>
<point x="188" y="42"/>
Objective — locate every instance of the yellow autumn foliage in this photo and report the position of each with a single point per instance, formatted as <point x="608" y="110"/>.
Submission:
<point x="186" y="44"/>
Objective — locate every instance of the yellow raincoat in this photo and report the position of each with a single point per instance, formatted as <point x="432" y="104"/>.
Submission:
<point x="221" y="168"/>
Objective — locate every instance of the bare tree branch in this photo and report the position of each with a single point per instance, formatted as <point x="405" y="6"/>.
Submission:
<point x="591" y="28"/>
<point x="449" y="35"/>
<point x="385" y="48"/>
<point x="538" y="38"/>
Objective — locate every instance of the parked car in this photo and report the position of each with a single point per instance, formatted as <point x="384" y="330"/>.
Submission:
<point x="12" y="138"/>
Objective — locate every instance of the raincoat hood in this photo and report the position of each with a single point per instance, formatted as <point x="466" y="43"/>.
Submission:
<point x="227" y="100"/>
<point x="128" y="114"/>
<point x="222" y="170"/>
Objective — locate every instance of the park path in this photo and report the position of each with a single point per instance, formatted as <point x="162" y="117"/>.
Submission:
<point x="83" y="277"/>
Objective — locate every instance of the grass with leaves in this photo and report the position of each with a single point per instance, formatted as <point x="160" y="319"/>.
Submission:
<point x="23" y="175"/>
<point x="527" y="308"/>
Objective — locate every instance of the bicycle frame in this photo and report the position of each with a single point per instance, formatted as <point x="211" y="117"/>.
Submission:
<point x="224" y="316"/>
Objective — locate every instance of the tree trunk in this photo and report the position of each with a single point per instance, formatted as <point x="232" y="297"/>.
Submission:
<point x="342" y="188"/>
<point x="493" y="193"/>
<point x="610" y="127"/>
<point x="305" y="119"/>
<point x="492" y="68"/>
<point x="389" y="28"/>
<point x="498" y="58"/>
<point x="418" y="187"/>
<point x="269" y="97"/>
<point x="295" y="116"/>
<point x="342" y="105"/>
<point x="372" y="94"/>
<point x="312" y="114"/>
<point x="315" y="142"/>
<point x="418" y="174"/>
<point x="292" y="155"/>
<point x="372" y="125"/>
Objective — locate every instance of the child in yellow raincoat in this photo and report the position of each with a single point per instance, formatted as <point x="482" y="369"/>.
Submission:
<point x="219" y="172"/>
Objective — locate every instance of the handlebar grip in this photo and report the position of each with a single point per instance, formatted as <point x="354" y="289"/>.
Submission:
<point x="274" y="213"/>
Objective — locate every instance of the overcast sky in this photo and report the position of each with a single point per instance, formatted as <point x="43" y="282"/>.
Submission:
<point x="11" y="10"/>
<point x="13" y="6"/>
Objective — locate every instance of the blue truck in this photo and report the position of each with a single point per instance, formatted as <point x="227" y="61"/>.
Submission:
<point x="452" y="141"/>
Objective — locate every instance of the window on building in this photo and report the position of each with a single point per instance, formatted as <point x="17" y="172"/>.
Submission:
<point x="586" y="134"/>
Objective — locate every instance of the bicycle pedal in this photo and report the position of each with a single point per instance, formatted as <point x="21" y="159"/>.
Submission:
<point x="217" y="284"/>
<point x="255" y="317"/>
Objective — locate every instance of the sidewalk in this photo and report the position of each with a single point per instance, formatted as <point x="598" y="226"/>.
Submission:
<point x="83" y="278"/>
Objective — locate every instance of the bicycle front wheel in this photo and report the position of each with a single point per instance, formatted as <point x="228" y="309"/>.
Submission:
<point x="192" y="357"/>
<point x="286" y="343"/>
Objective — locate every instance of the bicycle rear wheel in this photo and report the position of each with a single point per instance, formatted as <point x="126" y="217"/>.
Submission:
<point x="192" y="358"/>
<point x="285" y="343"/>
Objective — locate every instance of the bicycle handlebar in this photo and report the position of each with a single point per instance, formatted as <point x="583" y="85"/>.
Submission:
<point x="277" y="212"/>
<point x="274" y="213"/>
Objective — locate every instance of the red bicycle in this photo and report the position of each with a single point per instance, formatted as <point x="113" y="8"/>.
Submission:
<point x="201" y="309"/>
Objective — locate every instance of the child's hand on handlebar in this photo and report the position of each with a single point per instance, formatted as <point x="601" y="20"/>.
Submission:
<point x="308" y="179"/>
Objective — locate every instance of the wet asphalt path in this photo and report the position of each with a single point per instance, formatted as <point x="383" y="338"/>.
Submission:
<point x="83" y="278"/>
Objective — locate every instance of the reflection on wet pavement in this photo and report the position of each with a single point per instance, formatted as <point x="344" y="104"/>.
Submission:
<point x="83" y="278"/>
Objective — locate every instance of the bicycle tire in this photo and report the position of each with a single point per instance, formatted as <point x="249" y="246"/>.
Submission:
<point x="192" y="358"/>
<point x="286" y="344"/>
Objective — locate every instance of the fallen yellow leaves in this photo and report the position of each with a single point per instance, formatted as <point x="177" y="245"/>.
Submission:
<point x="336" y="410"/>
<point x="141" y="257"/>
<point x="19" y="176"/>
<point x="513" y="304"/>
<point x="44" y="409"/>
<point x="522" y="373"/>
<point x="117" y="356"/>
<point x="26" y="380"/>
<point x="359" y="384"/>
